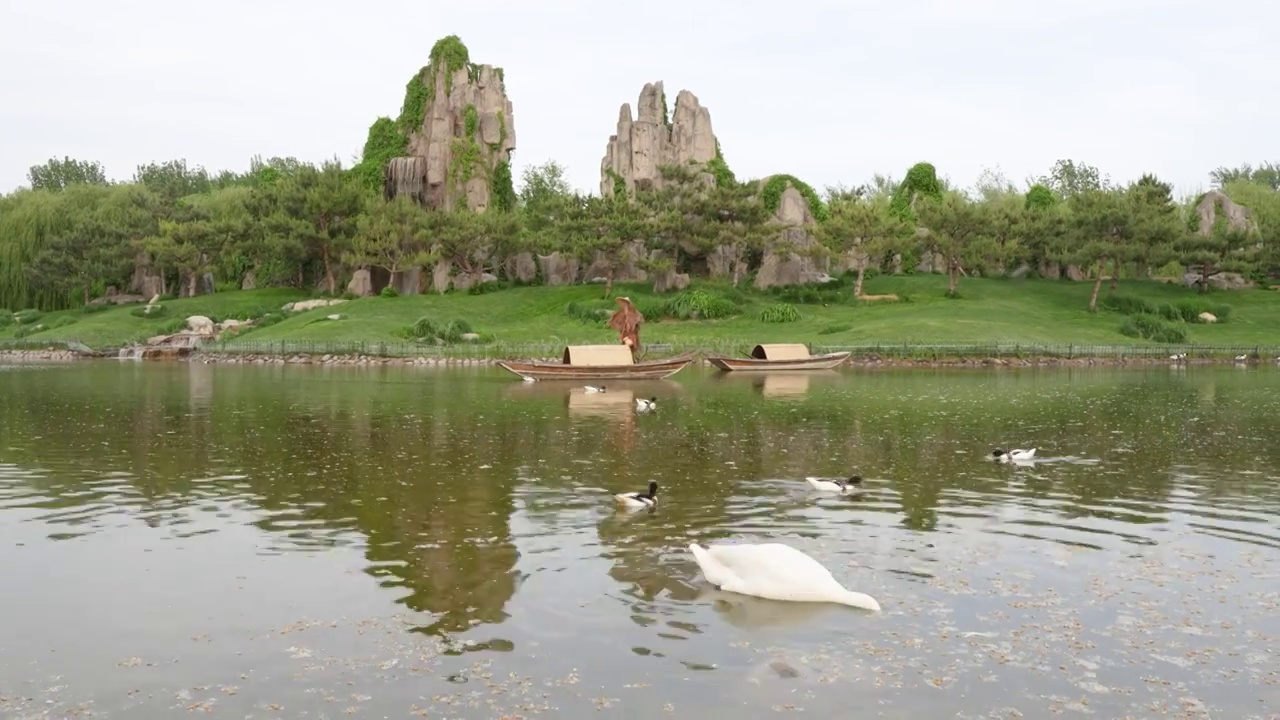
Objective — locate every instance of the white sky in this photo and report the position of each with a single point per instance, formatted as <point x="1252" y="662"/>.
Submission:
<point x="831" y="92"/>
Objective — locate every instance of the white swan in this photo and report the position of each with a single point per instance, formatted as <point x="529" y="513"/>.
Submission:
<point x="643" y="405"/>
<point x="776" y="572"/>
<point x="1013" y="455"/>
<point x="637" y="499"/>
<point x="593" y="389"/>
<point x="837" y="484"/>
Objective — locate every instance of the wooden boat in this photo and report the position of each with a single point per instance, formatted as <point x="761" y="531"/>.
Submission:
<point x="597" y="362"/>
<point x="781" y="356"/>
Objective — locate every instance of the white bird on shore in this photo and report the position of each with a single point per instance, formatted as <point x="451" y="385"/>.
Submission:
<point x="638" y="499"/>
<point x="1013" y="455"/>
<point x="593" y="389"/>
<point x="643" y="405"/>
<point x="776" y="572"/>
<point x="1178" y="357"/>
<point x="1241" y="358"/>
<point x="528" y="379"/>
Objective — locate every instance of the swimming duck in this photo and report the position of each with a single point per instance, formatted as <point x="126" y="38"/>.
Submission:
<point x="854" y="482"/>
<point x="593" y="389"/>
<point x="776" y="572"/>
<point x="644" y="405"/>
<point x="639" y="500"/>
<point x="528" y="379"/>
<point x="1013" y="455"/>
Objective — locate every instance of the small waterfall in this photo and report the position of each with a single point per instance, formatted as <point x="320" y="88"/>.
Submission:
<point x="130" y="352"/>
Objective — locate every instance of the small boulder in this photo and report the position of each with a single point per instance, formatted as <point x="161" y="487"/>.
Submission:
<point x="1207" y="317"/>
<point x="471" y="337"/>
<point x="200" y="325"/>
<point x="335" y="316"/>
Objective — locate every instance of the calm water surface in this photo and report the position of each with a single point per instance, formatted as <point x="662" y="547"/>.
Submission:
<point x="334" y="542"/>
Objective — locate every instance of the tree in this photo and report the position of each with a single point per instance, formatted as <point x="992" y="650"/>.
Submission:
<point x="393" y="234"/>
<point x="473" y="240"/>
<point x="1267" y="174"/>
<point x="173" y="179"/>
<point x="78" y="257"/>
<point x="727" y="220"/>
<point x="1101" y="229"/>
<point x="1223" y="249"/>
<point x="867" y="229"/>
<point x="958" y="232"/>
<point x="603" y="230"/>
<point x="1068" y="178"/>
<point x="55" y="174"/>
<point x="187" y="243"/>
<point x="1156" y="223"/>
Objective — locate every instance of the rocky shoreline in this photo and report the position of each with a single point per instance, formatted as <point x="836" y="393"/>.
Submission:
<point x="865" y="362"/>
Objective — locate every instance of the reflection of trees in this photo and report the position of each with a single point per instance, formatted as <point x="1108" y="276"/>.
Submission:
<point x="399" y="455"/>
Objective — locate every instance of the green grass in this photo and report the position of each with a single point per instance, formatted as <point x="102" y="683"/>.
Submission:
<point x="988" y="310"/>
<point x="117" y="326"/>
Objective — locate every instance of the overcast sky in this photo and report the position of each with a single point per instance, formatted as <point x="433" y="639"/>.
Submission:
<point x="831" y="92"/>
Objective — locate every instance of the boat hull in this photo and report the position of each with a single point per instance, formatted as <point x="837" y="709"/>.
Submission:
<point x="656" y="369"/>
<point x="817" y="362"/>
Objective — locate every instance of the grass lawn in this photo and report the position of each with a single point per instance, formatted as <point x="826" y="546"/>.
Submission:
<point x="989" y="310"/>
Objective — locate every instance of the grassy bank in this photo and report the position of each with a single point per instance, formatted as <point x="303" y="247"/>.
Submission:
<point x="989" y="311"/>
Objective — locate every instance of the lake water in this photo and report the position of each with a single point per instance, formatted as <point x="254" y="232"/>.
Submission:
<point x="312" y="542"/>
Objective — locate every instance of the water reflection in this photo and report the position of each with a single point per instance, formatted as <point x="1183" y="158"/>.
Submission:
<point x="480" y="508"/>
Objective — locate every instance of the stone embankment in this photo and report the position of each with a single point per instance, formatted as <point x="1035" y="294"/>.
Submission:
<point x="870" y="362"/>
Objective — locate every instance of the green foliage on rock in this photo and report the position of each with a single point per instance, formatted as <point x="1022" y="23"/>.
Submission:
<point x="921" y="181"/>
<point x="771" y="195"/>
<point x="502" y="187"/>
<point x="385" y="141"/>
<point x="417" y="93"/>
<point x="719" y="169"/>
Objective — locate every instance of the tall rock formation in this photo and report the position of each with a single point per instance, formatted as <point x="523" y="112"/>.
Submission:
<point x="642" y="145"/>
<point x="459" y="131"/>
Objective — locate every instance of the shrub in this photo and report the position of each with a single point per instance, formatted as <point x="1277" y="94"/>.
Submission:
<point x="699" y="305"/>
<point x="488" y="287"/>
<point x="25" y="330"/>
<point x="1154" y="328"/>
<point x="779" y="313"/>
<point x="149" y="311"/>
<point x="835" y="328"/>
<point x="173" y="326"/>
<point x="62" y="321"/>
<point x="427" y="329"/>
<point x="389" y="292"/>
<point x="95" y="308"/>
<point x="6" y="318"/>
<point x="590" y="312"/>
<point x="28" y="316"/>
<point x="1128" y="304"/>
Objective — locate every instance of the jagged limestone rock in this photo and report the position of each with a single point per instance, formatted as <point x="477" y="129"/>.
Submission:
<point x="1215" y="201"/>
<point x="795" y="259"/>
<point x="640" y="146"/>
<point x="465" y="131"/>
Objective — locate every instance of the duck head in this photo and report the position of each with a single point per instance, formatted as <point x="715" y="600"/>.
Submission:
<point x="653" y="488"/>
